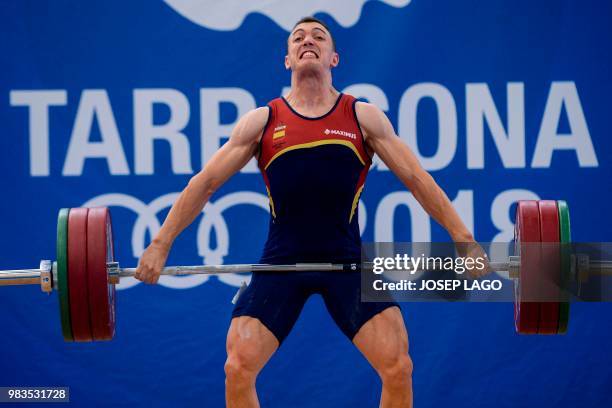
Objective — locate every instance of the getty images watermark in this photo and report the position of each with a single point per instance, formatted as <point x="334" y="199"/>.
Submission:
<point x="487" y="272"/>
<point x="433" y="272"/>
<point x="411" y="265"/>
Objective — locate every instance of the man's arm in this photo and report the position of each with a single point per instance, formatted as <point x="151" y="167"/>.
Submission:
<point x="228" y="160"/>
<point x="381" y="138"/>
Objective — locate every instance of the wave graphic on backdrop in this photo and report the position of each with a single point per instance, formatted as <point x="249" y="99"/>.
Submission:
<point x="228" y="15"/>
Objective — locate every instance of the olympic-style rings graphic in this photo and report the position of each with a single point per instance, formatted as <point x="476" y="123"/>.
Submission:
<point x="212" y="219"/>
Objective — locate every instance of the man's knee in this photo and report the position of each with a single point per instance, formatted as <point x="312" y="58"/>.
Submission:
<point x="249" y="346"/>
<point x="397" y="371"/>
<point x="241" y="366"/>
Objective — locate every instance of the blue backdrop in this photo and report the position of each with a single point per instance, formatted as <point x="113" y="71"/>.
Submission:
<point x="119" y="103"/>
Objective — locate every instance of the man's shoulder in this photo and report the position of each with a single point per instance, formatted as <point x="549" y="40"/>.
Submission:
<point x="257" y="115"/>
<point x="366" y="110"/>
<point x="252" y="124"/>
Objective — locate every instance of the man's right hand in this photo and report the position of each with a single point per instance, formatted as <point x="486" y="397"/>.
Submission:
<point x="152" y="262"/>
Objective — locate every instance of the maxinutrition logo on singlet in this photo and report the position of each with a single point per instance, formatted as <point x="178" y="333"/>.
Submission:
<point x="336" y="132"/>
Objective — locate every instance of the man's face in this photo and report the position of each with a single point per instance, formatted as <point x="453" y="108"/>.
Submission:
<point x="310" y="47"/>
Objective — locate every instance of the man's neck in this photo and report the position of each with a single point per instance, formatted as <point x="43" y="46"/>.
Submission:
<point x="311" y="89"/>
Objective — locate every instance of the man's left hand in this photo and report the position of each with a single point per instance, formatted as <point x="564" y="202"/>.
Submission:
<point x="480" y="265"/>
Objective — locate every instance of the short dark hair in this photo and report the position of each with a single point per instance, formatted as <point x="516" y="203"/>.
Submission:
<point x="311" y="19"/>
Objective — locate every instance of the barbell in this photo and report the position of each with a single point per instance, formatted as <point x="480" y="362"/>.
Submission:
<point x="85" y="272"/>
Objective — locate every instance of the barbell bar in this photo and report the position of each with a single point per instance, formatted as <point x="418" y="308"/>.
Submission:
<point x="86" y="273"/>
<point x="115" y="272"/>
<point x="46" y="275"/>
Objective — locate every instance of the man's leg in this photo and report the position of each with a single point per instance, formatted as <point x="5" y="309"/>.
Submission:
<point x="249" y="347"/>
<point x="378" y="331"/>
<point x="261" y="320"/>
<point x="383" y="341"/>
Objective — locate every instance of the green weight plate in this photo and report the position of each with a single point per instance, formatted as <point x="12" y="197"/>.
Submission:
<point x="62" y="273"/>
<point x="565" y="239"/>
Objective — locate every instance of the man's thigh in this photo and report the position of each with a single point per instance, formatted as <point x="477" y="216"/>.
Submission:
<point x="275" y="300"/>
<point x="342" y="295"/>
<point x="250" y="342"/>
<point x="383" y="339"/>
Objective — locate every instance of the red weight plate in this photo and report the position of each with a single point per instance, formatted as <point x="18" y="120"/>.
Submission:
<point x="101" y="291"/>
<point x="77" y="274"/>
<point x="527" y="230"/>
<point x="551" y="267"/>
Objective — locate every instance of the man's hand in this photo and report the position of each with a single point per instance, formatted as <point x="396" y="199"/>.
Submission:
<point x="479" y="267"/>
<point x="152" y="262"/>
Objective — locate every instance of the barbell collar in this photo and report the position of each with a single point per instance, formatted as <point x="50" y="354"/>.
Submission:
<point x="46" y="276"/>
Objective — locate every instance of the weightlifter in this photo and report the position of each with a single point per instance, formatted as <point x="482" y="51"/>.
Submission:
<point x="314" y="149"/>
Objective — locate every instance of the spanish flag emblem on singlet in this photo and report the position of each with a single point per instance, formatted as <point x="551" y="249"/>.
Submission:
<point x="279" y="132"/>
